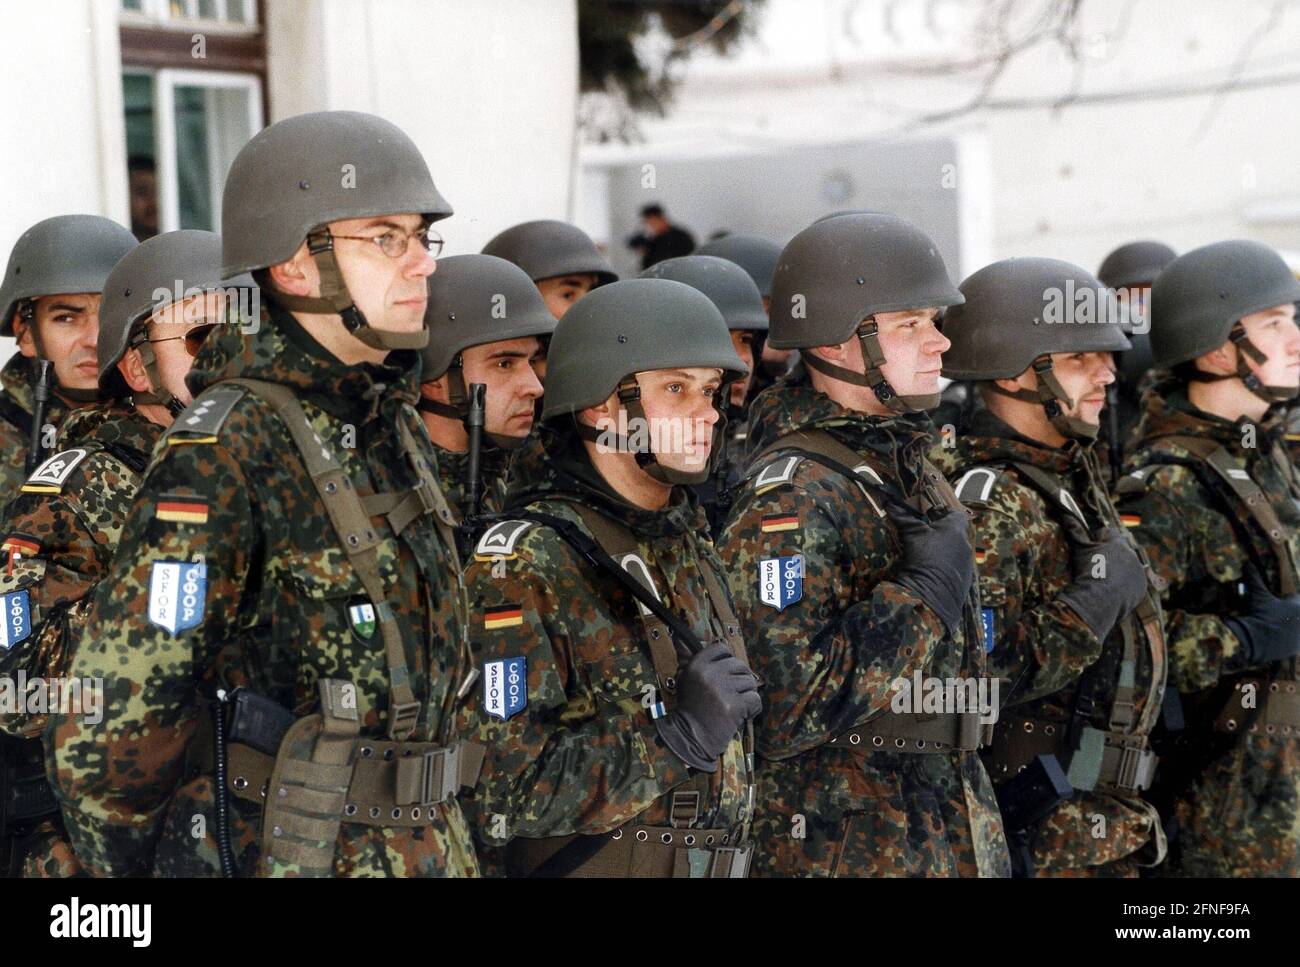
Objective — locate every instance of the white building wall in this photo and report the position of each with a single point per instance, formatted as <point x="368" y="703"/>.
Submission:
<point x="1072" y="181"/>
<point x="487" y="89"/>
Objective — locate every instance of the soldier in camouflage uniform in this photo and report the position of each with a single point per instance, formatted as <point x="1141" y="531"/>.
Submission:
<point x="852" y="571"/>
<point x="280" y="637"/>
<point x="1212" y="497"/>
<point x="615" y="686"/>
<point x="562" y="261"/>
<point x="732" y="290"/>
<point x="486" y="325"/>
<point x="61" y="529"/>
<point x="49" y="302"/>
<point x="1071" y="619"/>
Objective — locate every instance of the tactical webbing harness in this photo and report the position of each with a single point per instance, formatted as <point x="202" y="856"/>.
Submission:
<point x="1119" y="760"/>
<point x="886" y="730"/>
<point x="324" y="773"/>
<point x="680" y="850"/>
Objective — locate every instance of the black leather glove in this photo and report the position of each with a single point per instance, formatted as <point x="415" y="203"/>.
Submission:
<point x="1270" y="628"/>
<point x="938" y="563"/>
<point x="716" y="693"/>
<point x="1101" y="601"/>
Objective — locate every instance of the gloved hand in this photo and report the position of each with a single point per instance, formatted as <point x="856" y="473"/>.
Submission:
<point x="1270" y="628"/>
<point x="1101" y="601"/>
<point x="716" y="693"/>
<point x="938" y="563"/>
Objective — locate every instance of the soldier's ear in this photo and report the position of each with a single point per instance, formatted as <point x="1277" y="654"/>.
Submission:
<point x="131" y="366"/>
<point x="23" y="335"/>
<point x="1219" y="361"/>
<point x="436" y="390"/>
<point x="593" y="415"/>
<point x="297" y="276"/>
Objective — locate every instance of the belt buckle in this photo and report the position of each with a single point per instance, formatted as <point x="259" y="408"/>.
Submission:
<point x="1136" y="765"/>
<point x="969" y="731"/>
<point x="421" y="778"/>
<point x="402" y="718"/>
<point x="736" y="866"/>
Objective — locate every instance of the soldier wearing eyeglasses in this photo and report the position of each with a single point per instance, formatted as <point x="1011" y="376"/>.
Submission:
<point x="159" y="302"/>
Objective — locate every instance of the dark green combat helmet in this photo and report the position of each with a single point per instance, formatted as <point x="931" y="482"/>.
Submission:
<point x="631" y="327"/>
<point x="1016" y="314"/>
<point x="1200" y="298"/>
<point x="728" y="286"/>
<point x="158" y="272"/>
<point x="547" y="249"/>
<point x="833" y="278"/>
<point x="754" y="254"/>
<point x="298" y="175"/>
<point x="1135" y="264"/>
<point x="473" y="300"/>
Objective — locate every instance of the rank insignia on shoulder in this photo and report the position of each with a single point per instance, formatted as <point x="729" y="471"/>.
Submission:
<point x="51" y="475"/>
<point x="177" y="594"/>
<point x="505" y="687"/>
<point x="777" y="473"/>
<point x="17" y="624"/>
<point x="202" y="420"/>
<point x="502" y="616"/>
<point x="780" y="581"/>
<point x="777" y="523"/>
<point x="181" y="510"/>
<point x="499" y="540"/>
<point x="990" y="631"/>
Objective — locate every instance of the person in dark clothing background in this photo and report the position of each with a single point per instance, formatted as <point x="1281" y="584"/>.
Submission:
<point x="659" y="239"/>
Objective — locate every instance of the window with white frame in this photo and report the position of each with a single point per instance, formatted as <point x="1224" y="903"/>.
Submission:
<point x="236" y="13"/>
<point x="191" y="102"/>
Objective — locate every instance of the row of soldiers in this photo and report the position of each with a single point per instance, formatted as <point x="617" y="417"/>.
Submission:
<point x="332" y="588"/>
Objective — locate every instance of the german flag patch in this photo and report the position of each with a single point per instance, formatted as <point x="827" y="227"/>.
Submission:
<point x="502" y="616"/>
<point x="18" y="544"/>
<point x="775" y="523"/>
<point x="182" y="510"/>
<point x="1131" y="520"/>
<point x="980" y="555"/>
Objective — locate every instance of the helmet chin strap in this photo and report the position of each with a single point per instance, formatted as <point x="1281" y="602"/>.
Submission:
<point x="1269" y="394"/>
<point x="869" y="339"/>
<point x="458" y="407"/>
<point x="335" y="299"/>
<point x="1055" y="402"/>
<point x="28" y="314"/>
<point x="629" y="397"/>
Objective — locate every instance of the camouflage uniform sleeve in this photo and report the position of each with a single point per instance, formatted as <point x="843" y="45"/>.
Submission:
<point x="828" y="659"/>
<point x="52" y="558"/>
<point x="1193" y="548"/>
<point x="581" y="753"/>
<point x="1040" y="644"/>
<point x="169" y="602"/>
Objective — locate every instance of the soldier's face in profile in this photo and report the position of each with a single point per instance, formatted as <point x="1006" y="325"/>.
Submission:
<point x="390" y="292"/>
<point x="177" y="332"/>
<point x="1274" y="332"/>
<point x="679" y="405"/>
<point x="1084" y="377"/>
<point x="506" y="367"/>
<point x="562" y="292"/>
<point x="69" y="327"/>
<point x="743" y="342"/>
<point x="913" y="348"/>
